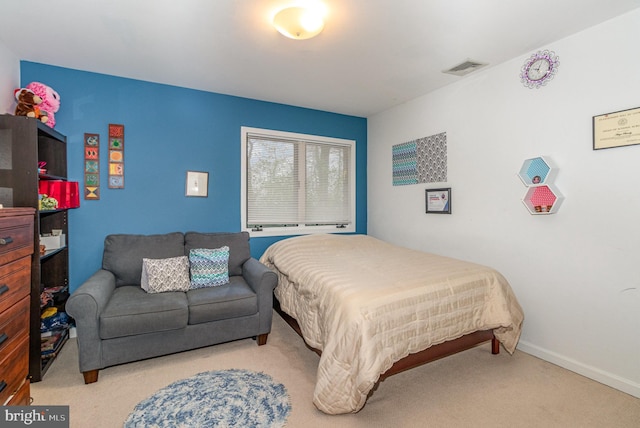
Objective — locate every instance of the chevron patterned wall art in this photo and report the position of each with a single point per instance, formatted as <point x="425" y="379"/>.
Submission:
<point x="420" y="161"/>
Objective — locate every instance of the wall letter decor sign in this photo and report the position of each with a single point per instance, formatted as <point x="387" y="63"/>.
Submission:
<point x="91" y="166"/>
<point x="116" y="156"/>
<point x="420" y="161"/>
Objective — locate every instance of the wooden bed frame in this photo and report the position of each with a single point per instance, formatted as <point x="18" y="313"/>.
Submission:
<point x="428" y="355"/>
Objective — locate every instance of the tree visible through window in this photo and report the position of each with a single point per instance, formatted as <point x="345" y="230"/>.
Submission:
<point x="297" y="183"/>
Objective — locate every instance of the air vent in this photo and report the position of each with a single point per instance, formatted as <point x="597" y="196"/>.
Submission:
<point x="465" y="67"/>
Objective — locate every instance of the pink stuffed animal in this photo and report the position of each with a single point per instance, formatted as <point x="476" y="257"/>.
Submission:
<point x="50" y="100"/>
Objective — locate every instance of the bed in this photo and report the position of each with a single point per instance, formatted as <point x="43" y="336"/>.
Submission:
<point x="371" y="309"/>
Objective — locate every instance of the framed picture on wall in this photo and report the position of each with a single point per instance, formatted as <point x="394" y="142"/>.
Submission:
<point x="197" y="184"/>
<point x="617" y="129"/>
<point x="438" y="201"/>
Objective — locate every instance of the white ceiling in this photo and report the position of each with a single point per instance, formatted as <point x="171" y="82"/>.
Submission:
<point x="372" y="55"/>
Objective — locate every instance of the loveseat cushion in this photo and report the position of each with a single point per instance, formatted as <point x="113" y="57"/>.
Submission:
<point x="132" y="311"/>
<point x="123" y="253"/>
<point x="232" y="300"/>
<point x="238" y="243"/>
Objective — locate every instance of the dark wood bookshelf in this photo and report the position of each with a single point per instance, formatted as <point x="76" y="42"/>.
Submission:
<point x="23" y="143"/>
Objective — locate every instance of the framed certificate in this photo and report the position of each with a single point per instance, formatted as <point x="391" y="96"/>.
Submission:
<point x="438" y="201"/>
<point x="617" y="129"/>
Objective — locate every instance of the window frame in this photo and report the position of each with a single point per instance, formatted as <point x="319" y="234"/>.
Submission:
<point x="300" y="229"/>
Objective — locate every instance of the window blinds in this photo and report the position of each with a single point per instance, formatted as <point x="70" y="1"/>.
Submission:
<point x="296" y="182"/>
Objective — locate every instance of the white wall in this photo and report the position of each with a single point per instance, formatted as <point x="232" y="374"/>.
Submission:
<point x="9" y="79"/>
<point x="577" y="272"/>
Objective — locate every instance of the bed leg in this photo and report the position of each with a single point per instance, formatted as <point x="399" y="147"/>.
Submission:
<point x="495" y="346"/>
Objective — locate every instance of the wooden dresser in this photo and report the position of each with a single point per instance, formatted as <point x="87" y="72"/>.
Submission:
<point x="16" y="252"/>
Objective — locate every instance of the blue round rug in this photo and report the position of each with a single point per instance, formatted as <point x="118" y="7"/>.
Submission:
<point x="226" y="398"/>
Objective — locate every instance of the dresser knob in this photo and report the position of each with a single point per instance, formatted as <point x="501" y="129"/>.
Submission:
<point x="3" y="289"/>
<point x="3" y="338"/>
<point x="6" y="240"/>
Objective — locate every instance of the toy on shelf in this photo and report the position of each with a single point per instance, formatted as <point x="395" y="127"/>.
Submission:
<point x="50" y="100"/>
<point x="41" y="168"/>
<point x="29" y="105"/>
<point x="46" y="203"/>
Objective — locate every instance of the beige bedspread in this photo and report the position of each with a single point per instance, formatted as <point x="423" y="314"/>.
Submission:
<point x="367" y="304"/>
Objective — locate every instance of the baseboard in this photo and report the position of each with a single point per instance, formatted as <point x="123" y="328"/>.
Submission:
<point x="609" y="379"/>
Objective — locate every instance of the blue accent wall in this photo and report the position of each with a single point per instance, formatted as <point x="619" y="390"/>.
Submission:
<point x="169" y="130"/>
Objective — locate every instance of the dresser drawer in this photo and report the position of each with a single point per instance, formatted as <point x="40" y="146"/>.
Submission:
<point x="14" y="324"/>
<point x="15" y="282"/>
<point x="15" y="367"/>
<point x="16" y="237"/>
<point x="22" y="397"/>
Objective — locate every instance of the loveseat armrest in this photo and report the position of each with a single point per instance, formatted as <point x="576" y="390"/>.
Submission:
<point x="262" y="280"/>
<point x="85" y="305"/>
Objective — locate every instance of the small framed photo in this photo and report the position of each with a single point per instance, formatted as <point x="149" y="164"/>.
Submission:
<point x="197" y="184"/>
<point x="438" y="201"/>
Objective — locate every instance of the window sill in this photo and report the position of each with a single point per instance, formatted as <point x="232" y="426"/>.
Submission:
<point x="308" y="230"/>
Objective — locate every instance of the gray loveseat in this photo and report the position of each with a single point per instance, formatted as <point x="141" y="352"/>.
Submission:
<point x="117" y="321"/>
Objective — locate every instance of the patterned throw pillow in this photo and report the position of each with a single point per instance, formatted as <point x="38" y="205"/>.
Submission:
<point x="209" y="267"/>
<point x="160" y="275"/>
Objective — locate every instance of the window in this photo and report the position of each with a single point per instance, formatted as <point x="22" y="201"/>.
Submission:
<point x="296" y="184"/>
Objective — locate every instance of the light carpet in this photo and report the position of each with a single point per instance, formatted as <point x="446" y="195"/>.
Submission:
<point x="469" y="389"/>
<point x="224" y="398"/>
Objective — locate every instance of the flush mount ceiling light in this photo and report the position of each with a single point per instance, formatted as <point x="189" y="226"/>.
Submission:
<point x="300" y="21"/>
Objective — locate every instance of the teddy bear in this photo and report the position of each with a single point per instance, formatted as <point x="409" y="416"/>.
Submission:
<point x="50" y="100"/>
<point x="29" y="105"/>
